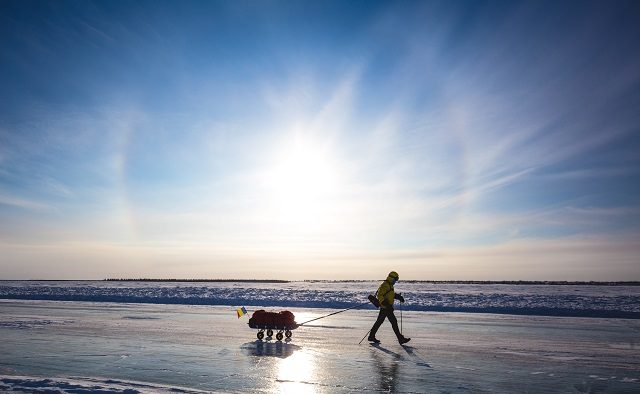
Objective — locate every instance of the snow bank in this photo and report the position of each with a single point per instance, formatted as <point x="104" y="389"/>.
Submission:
<point x="570" y="300"/>
<point x="76" y="385"/>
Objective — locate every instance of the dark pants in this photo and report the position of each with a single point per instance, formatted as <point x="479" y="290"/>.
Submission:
<point x="386" y="313"/>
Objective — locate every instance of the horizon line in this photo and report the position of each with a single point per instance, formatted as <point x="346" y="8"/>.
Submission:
<point x="453" y="281"/>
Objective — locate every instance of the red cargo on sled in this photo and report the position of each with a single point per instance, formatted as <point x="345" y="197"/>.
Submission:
<point x="269" y="321"/>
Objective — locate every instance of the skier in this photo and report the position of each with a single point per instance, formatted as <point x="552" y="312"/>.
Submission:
<point x="386" y="295"/>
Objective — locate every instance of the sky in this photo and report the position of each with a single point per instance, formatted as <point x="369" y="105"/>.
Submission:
<point x="445" y="140"/>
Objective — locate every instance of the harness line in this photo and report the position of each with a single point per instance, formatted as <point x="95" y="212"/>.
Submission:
<point x="334" y="313"/>
<point x="344" y="310"/>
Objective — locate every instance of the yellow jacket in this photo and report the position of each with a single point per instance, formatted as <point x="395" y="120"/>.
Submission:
<point x="385" y="293"/>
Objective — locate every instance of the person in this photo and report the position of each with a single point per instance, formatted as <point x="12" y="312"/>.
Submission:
<point x="386" y="296"/>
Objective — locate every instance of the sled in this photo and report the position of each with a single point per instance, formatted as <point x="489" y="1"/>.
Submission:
<point x="268" y="322"/>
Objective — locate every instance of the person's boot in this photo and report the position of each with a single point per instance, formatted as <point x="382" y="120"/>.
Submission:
<point x="373" y="339"/>
<point x="403" y="340"/>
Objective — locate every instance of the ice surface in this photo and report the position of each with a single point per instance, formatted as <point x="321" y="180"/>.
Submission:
<point x="545" y="300"/>
<point x="67" y="346"/>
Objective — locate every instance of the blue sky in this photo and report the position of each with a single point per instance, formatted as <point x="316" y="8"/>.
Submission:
<point x="444" y="140"/>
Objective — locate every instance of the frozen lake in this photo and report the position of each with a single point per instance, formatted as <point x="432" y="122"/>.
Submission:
<point x="118" y="347"/>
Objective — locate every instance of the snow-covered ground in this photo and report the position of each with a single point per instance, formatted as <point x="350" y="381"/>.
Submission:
<point x="544" y="300"/>
<point x="78" y="347"/>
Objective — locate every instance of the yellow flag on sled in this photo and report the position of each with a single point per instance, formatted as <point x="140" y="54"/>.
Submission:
<point x="241" y="312"/>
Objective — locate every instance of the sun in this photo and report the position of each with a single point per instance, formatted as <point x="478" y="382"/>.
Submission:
<point x="303" y="183"/>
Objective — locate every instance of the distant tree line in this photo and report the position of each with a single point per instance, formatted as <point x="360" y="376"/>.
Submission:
<point x="532" y="282"/>
<point x="195" y="280"/>
<point x="504" y="282"/>
<point x="455" y="282"/>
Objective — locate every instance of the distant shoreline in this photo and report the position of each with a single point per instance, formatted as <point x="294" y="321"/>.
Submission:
<point x="198" y="280"/>
<point x="506" y="282"/>
<point x="455" y="282"/>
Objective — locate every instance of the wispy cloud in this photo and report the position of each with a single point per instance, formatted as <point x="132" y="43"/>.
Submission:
<point x="22" y="203"/>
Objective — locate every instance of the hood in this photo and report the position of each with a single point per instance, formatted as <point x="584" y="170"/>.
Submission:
<point x="392" y="275"/>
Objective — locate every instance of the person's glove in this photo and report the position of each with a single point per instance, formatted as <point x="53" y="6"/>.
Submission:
<point x="400" y="298"/>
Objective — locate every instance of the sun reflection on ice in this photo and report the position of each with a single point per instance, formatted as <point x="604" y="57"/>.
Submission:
<point x="296" y="372"/>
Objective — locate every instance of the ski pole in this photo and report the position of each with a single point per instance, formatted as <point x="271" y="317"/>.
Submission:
<point x="400" y="319"/>
<point x="365" y="335"/>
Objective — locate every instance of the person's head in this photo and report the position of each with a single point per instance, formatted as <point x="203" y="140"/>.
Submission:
<point x="393" y="275"/>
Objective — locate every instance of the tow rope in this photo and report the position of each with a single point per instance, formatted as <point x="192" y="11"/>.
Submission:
<point x="344" y="310"/>
<point x="334" y="313"/>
